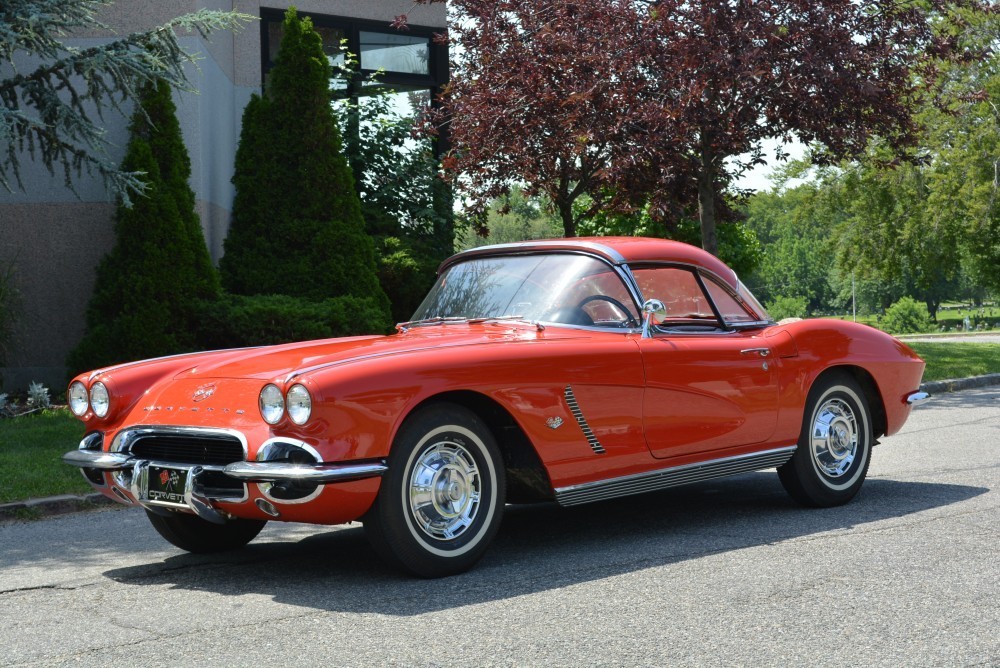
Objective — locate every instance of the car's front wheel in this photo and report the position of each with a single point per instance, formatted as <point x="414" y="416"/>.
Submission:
<point x="835" y="445"/>
<point x="442" y="499"/>
<point x="191" y="533"/>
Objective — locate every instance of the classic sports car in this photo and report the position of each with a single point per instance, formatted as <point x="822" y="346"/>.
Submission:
<point x="567" y="370"/>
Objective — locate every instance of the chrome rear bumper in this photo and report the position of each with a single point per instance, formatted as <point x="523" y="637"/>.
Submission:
<point x="917" y="398"/>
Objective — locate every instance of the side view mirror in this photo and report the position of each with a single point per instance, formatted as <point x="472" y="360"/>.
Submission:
<point x="653" y="313"/>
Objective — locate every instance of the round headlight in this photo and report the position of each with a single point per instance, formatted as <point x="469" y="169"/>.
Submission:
<point x="272" y="404"/>
<point x="100" y="400"/>
<point x="77" y="396"/>
<point x="300" y="404"/>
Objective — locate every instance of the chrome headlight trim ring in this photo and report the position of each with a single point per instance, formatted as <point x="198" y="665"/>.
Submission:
<point x="100" y="399"/>
<point x="298" y="403"/>
<point x="272" y="404"/>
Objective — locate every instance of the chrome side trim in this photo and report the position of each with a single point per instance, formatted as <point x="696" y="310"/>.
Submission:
<point x="918" y="398"/>
<point x="671" y="477"/>
<point x="316" y="473"/>
<point x="574" y="408"/>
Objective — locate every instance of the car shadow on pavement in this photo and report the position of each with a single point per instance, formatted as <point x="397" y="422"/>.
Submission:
<point x="542" y="547"/>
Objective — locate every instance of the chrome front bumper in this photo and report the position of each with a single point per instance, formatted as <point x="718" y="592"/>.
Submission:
<point x="130" y="478"/>
<point x="244" y="471"/>
<point x="917" y="398"/>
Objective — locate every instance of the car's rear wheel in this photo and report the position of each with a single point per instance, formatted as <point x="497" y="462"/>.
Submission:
<point x="835" y="445"/>
<point x="441" y="502"/>
<point x="191" y="533"/>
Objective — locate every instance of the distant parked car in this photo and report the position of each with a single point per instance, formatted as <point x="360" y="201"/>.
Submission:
<point x="571" y="370"/>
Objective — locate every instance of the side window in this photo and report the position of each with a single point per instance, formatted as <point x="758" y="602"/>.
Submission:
<point x="680" y="292"/>
<point x="732" y="311"/>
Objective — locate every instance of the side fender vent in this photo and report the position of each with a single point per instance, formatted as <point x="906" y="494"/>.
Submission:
<point x="574" y="408"/>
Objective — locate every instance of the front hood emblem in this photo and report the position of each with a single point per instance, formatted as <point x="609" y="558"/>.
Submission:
<point x="203" y="392"/>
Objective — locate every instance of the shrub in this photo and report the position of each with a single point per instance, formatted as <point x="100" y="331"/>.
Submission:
<point x="143" y="297"/>
<point x="907" y="316"/>
<point x="38" y="396"/>
<point x="296" y="227"/>
<point x="240" y="320"/>
<point x="788" y="307"/>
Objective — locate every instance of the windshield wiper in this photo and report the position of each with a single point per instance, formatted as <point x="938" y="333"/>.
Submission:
<point x="495" y="317"/>
<point x="436" y="320"/>
<point x="443" y="320"/>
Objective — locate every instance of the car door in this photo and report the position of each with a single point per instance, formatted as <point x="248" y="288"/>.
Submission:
<point x="707" y="388"/>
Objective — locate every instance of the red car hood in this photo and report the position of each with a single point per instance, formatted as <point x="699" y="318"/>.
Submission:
<point x="276" y="362"/>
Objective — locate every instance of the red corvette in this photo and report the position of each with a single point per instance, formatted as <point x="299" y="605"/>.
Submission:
<point x="568" y="370"/>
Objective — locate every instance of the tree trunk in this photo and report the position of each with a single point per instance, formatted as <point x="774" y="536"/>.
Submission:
<point x="566" y="213"/>
<point x="706" y="197"/>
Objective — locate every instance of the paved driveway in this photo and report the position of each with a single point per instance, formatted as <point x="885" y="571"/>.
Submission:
<point x="726" y="573"/>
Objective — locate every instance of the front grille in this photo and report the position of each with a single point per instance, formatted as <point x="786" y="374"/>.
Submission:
<point x="188" y="449"/>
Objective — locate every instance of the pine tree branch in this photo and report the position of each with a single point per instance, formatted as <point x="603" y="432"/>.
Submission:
<point x="50" y="112"/>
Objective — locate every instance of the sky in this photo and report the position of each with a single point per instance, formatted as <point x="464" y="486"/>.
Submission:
<point x="760" y="178"/>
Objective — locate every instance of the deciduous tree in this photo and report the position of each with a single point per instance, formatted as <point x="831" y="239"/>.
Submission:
<point x="630" y="101"/>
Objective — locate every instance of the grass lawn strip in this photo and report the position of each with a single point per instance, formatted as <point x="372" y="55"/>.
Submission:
<point x="31" y="448"/>
<point x="953" y="359"/>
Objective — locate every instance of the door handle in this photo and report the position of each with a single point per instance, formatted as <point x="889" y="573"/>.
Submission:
<point x="763" y="352"/>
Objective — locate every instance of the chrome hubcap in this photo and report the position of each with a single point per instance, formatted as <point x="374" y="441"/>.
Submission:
<point x="834" y="440"/>
<point x="445" y="489"/>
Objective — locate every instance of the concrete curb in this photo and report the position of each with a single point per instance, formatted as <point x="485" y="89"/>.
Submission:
<point x="956" y="384"/>
<point x="53" y="505"/>
<point x="60" y="505"/>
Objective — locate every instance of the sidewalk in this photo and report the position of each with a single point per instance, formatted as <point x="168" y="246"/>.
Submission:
<point x="59" y="505"/>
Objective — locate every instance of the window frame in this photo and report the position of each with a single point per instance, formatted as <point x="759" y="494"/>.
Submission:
<point x="701" y="276"/>
<point x="437" y="65"/>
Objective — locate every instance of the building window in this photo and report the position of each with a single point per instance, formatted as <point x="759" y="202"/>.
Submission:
<point x="409" y="65"/>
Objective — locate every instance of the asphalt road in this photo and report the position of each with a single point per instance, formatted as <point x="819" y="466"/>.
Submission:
<point x="726" y="573"/>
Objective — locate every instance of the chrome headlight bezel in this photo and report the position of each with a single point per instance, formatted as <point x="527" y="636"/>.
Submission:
<point x="100" y="399"/>
<point x="298" y="403"/>
<point x="78" y="398"/>
<point x="271" y="403"/>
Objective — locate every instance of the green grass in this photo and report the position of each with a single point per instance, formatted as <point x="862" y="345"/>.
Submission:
<point x="31" y="448"/>
<point x="954" y="359"/>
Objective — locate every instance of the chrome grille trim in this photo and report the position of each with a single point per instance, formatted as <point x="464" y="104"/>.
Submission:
<point x="574" y="408"/>
<point x="126" y="438"/>
<point x="672" y="477"/>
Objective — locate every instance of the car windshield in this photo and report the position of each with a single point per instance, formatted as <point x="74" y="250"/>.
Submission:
<point x="561" y="288"/>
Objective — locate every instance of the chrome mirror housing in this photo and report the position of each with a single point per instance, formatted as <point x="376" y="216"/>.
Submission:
<point x="653" y="313"/>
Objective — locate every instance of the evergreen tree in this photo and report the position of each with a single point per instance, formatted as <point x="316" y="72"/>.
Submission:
<point x="297" y="227"/>
<point x="50" y="109"/>
<point x="148" y="286"/>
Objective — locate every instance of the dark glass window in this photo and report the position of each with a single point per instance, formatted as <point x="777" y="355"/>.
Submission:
<point x="407" y="68"/>
<point x="395" y="53"/>
<point x="381" y="56"/>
